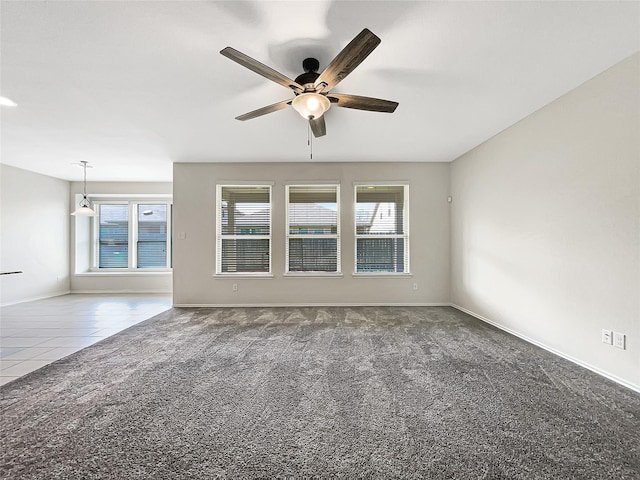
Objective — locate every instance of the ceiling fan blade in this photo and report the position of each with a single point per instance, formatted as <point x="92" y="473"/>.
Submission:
<point x="347" y="60"/>
<point x="264" y="110"/>
<point x="260" y="68"/>
<point x="362" y="103"/>
<point x="318" y="127"/>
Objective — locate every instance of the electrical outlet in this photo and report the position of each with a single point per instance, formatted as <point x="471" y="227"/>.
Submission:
<point x="235" y="287"/>
<point x="619" y="340"/>
<point x="415" y="286"/>
<point x="607" y="337"/>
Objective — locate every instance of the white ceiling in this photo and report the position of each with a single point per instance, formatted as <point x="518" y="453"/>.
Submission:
<point x="132" y="87"/>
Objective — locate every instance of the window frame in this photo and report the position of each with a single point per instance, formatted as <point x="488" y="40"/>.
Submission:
<point x="132" y="238"/>
<point x="405" y="236"/>
<point x="219" y="236"/>
<point x="336" y="236"/>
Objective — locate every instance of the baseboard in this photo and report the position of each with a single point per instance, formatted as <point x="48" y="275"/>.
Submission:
<point x="300" y="305"/>
<point x="132" y="292"/>
<point x="33" y="299"/>
<point x="586" y="365"/>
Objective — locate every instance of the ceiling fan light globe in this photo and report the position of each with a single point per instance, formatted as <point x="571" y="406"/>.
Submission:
<point x="311" y="105"/>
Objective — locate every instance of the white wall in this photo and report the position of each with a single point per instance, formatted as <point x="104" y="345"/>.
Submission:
<point x="34" y="235"/>
<point x="546" y="224"/>
<point x="84" y="281"/>
<point x="194" y="256"/>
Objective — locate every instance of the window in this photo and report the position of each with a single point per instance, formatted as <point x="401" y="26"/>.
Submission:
<point x="313" y="232"/>
<point x="243" y="227"/>
<point x="132" y="235"/>
<point x="113" y="237"/>
<point x="382" y="233"/>
<point x="152" y="236"/>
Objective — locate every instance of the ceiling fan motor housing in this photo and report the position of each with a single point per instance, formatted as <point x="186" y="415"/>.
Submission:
<point x="310" y="67"/>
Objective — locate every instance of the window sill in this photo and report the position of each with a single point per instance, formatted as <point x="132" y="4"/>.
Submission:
<point x="381" y="275"/>
<point x="313" y="275"/>
<point x="127" y="273"/>
<point x="243" y="275"/>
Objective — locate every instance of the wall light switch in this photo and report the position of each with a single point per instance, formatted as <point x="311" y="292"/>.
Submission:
<point x="182" y="235"/>
<point x="619" y="340"/>
<point x="607" y="337"/>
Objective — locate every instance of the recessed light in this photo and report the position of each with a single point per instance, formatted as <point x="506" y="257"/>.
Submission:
<point x="5" y="102"/>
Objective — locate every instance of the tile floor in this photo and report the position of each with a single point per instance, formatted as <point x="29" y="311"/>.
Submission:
<point x="34" y="334"/>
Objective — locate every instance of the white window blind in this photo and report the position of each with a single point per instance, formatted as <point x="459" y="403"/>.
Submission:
<point x="152" y="235"/>
<point x="313" y="231"/>
<point x="243" y="243"/>
<point x="113" y="236"/>
<point x="382" y="236"/>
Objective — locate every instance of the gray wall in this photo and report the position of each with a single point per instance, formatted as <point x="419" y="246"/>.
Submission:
<point x="194" y="256"/>
<point x="546" y="224"/>
<point x="34" y="235"/>
<point x="85" y="281"/>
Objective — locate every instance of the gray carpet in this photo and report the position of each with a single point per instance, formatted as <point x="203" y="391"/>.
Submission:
<point x="317" y="393"/>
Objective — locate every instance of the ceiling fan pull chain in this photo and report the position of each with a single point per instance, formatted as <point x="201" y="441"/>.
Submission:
<point x="310" y="141"/>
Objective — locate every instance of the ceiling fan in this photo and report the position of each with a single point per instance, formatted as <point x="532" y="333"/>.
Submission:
<point x="312" y="89"/>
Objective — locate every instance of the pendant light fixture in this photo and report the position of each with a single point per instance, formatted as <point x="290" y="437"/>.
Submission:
<point x="7" y="102"/>
<point x="84" y="210"/>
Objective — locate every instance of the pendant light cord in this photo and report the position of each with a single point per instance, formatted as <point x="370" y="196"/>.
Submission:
<point x="84" y="182"/>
